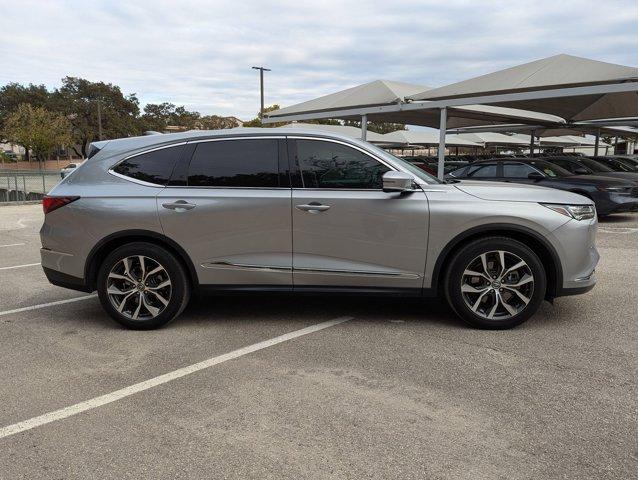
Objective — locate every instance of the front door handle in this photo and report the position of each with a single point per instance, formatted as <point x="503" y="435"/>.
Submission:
<point x="313" y="207"/>
<point x="179" y="205"/>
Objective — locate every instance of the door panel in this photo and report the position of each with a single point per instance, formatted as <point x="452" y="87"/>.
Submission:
<point x="367" y="238"/>
<point x="233" y="235"/>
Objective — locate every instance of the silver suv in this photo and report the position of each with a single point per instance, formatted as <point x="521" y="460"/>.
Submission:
<point x="146" y="221"/>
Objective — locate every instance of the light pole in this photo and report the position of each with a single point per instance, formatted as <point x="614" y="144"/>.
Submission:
<point x="99" y="119"/>
<point x="261" y="85"/>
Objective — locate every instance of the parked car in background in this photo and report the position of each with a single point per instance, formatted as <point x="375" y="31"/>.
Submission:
<point x="70" y="168"/>
<point x="618" y="164"/>
<point x="589" y="166"/>
<point x="610" y="195"/>
<point x="148" y="220"/>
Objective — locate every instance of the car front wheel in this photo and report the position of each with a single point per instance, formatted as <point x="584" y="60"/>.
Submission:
<point x="142" y="286"/>
<point x="495" y="283"/>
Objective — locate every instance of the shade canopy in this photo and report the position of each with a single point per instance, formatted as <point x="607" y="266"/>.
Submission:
<point x="381" y="101"/>
<point x="348" y="131"/>
<point x="590" y="89"/>
<point x="494" y="139"/>
<point x="406" y="138"/>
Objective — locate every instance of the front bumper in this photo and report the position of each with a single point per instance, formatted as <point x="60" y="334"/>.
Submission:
<point x="616" y="203"/>
<point x="579" y="256"/>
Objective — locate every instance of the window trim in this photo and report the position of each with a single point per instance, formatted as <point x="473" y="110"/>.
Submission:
<point x="339" y="142"/>
<point x="111" y="170"/>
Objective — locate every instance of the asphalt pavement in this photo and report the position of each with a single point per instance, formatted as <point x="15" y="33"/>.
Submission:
<point x="316" y="387"/>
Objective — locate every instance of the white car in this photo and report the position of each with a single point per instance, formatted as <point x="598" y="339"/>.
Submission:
<point x="70" y="168"/>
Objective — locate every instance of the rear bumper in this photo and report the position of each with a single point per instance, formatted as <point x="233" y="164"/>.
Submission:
<point x="66" y="281"/>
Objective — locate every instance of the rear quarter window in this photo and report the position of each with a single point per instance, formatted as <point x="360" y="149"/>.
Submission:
<point x="151" y="167"/>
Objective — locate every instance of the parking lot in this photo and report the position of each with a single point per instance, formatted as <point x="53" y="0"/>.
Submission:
<point x="376" y="388"/>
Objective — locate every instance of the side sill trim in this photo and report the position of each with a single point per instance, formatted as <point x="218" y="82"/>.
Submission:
<point x="246" y="266"/>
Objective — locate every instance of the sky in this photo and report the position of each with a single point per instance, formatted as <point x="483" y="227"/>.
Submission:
<point x="199" y="53"/>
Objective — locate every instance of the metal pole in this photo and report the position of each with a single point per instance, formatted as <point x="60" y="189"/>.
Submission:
<point x="364" y="127"/>
<point x="261" y="87"/>
<point x="44" y="187"/>
<point x="442" y="129"/>
<point x="99" y="120"/>
<point x="531" y="144"/>
<point x="616" y="145"/>
<point x="597" y="142"/>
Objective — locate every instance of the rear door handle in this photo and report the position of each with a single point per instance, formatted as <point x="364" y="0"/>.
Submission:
<point x="179" y="205"/>
<point x="313" y="207"/>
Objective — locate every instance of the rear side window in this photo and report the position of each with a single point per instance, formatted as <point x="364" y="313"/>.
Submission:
<point x="517" y="170"/>
<point x="332" y="165"/>
<point x="482" y="171"/>
<point x="152" y="167"/>
<point x="235" y="163"/>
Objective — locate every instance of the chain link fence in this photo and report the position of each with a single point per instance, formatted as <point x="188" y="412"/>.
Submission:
<point x="25" y="186"/>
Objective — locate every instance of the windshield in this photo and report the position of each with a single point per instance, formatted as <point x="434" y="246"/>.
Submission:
<point x="550" y="169"/>
<point x="416" y="171"/>
<point x="594" y="165"/>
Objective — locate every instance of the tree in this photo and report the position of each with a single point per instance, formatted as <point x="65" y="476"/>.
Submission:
<point x="215" y="122"/>
<point x="78" y="100"/>
<point x="256" y="122"/>
<point x="159" y="116"/>
<point x="13" y="95"/>
<point x="37" y="129"/>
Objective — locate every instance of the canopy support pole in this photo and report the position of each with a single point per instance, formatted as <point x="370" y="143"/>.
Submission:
<point x="442" y="129"/>
<point x="531" y="144"/>
<point x="597" y="143"/>
<point x="364" y="127"/>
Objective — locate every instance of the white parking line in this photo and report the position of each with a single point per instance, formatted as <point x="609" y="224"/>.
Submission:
<point x="12" y="245"/>
<point x="20" y="266"/>
<point x="161" y="379"/>
<point x="44" y="305"/>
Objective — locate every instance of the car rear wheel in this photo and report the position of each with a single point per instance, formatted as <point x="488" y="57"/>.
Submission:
<point x="143" y="286"/>
<point x="495" y="283"/>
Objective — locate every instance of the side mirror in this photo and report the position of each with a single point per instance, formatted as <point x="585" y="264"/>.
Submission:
<point x="581" y="171"/>
<point x="535" y="176"/>
<point x="397" y="182"/>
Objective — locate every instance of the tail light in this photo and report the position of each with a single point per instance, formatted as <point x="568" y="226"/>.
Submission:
<point x="53" y="203"/>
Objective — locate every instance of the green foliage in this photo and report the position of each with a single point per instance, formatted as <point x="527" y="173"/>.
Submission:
<point x="78" y="98"/>
<point x="13" y="95"/>
<point x="37" y="129"/>
<point x="162" y="116"/>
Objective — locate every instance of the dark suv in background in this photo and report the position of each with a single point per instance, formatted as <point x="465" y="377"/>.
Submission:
<point x="610" y="195"/>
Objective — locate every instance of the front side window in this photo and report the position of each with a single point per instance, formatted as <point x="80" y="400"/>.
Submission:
<point x="333" y="165"/>
<point x="235" y="163"/>
<point x="517" y="170"/>
<point x="152" y="167"/>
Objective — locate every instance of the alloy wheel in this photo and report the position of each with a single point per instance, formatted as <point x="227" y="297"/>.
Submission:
<point x="497" y="285"/>
<point x="139" y="287"/>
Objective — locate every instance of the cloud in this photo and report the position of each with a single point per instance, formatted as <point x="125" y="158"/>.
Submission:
<point x="199" y="53"/>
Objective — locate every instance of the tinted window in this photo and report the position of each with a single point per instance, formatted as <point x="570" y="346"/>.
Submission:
<point x="153" y="167"/>
<point x="549" y="169"/>
<point x="332" y="165"/>
<point x="482" y="171"/>
<point x="517" y="170"/>
<point x="235" y="163"/>
<point x="594" y="166"/>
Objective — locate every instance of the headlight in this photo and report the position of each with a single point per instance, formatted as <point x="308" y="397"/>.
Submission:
<point x="577" y="212"/>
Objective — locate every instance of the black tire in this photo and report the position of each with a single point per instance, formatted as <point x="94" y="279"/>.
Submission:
<point x="179" y="293"/>
<point x="470" y="253"/>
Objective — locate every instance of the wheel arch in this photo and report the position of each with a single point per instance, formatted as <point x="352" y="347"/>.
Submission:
<point x="545" y="251"/>
<point x="101" y="249"/>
